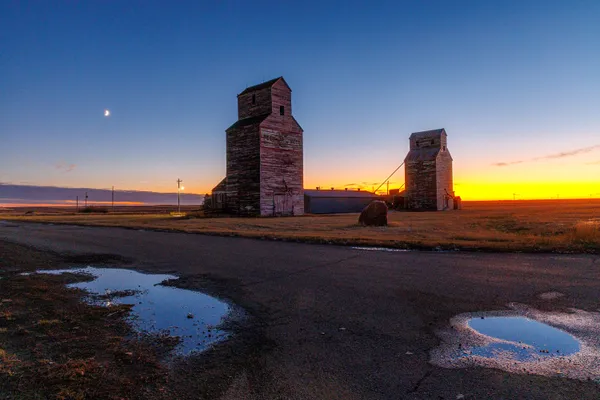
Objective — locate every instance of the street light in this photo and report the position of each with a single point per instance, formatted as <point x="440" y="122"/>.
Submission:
<point x="179" y="189"/>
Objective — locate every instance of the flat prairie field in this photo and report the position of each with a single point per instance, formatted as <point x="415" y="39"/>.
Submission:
<point x="528" y="226"/>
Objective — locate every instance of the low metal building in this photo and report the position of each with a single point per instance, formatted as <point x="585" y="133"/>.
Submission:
<point x="336" y="201"/>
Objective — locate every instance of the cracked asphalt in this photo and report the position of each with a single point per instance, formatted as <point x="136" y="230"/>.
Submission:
<point x="345" y="323"/>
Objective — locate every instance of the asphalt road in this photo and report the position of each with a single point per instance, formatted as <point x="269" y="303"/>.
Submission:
<point x="341" y="321"/>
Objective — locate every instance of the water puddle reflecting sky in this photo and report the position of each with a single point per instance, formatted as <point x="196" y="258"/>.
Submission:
<point x="191" y="315"/>
<point x="525" y="338"/>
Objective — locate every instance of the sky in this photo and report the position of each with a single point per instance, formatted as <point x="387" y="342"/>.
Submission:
<point x="515" y="84"/>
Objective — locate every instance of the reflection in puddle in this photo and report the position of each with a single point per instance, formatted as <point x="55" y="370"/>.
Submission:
<point x="190" y="315"/>
<point x="524" y="338"/>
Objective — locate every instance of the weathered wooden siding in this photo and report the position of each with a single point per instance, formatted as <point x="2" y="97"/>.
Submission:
<point x="420" y="183"/>
<point x="262" y="105"/>
<point x="281" y="96"/>
<point x="281" y="172"/>
<point x="427" y="140"/>
<point x="243" y="170"/>
<point x="445" y="191"/>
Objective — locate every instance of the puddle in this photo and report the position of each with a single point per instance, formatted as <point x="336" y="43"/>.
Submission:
<point x="380" y="249"/>
<point x="193" y="316"/>
<point x="523" y="340"/>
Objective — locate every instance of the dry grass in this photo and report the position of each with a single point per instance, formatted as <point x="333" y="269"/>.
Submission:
<point x="54" y="346"/>
<point x="559" y="225"/>
<point x="587" y="231"/>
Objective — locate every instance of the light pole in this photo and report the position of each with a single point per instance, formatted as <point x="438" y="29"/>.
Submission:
<point x="179" y="189"/>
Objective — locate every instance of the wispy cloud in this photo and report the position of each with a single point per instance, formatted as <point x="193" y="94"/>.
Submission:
<point x="572" y="152"/>
<point x="594" y="163"/>
<point x="64" y="167"/>
<point x="554" y="156"/>
<point x="505" y="164"/>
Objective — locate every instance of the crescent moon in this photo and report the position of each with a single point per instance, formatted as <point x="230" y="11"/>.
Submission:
<point x="106" y="113"/>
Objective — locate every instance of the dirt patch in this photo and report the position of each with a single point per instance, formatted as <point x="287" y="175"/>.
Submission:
<point x="59" y="347"/>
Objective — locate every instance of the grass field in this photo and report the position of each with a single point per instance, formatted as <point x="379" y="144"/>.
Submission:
<point x="531" y="226"/>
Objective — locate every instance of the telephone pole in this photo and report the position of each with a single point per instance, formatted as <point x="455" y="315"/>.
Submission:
<point x="86" y="197"/>
<point x="179" y="188"/>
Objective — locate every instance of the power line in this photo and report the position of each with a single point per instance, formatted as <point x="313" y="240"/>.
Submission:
<point x="388" y="178"/>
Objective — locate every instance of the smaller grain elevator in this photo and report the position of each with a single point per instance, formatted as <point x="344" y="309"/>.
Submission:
<point x="428" y="172"/>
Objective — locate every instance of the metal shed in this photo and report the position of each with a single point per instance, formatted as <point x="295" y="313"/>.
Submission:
<point x="336" y="201"/>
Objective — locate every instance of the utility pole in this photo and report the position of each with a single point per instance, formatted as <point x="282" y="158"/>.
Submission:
<point x="388" y="188"/>
<point x="178" y="191"/>
<point x="515" y="196"/>
<point x="86" y="197"/>
<point x="113" y="199"/>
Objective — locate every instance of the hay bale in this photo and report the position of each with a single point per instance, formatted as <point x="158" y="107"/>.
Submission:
<point x="375" y="214"/>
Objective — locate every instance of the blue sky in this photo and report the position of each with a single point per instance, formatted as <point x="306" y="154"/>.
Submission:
<point x="509" y="80"/>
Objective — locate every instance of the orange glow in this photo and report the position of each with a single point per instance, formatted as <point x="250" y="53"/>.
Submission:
<point x="468" y="186"/>
<point x="117" y="203"/>
<point x="478" y="190"/>
<point x="473" y="179"/>
<point x="527" y="190"/>
<point x="480" y="180"/>
<point x="504" y="190"/>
